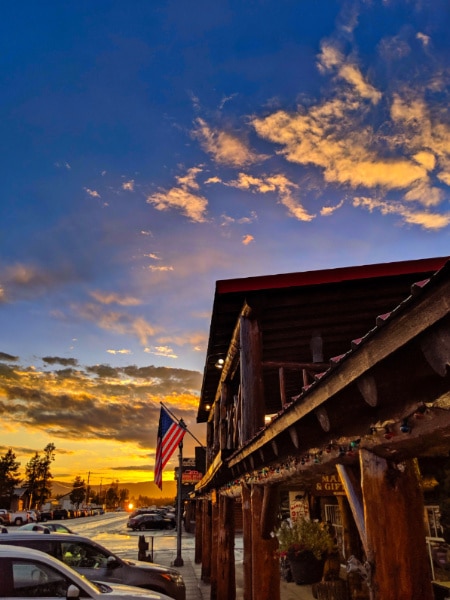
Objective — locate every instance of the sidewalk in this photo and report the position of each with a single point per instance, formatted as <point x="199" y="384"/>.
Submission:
<point x="196" y="589"/>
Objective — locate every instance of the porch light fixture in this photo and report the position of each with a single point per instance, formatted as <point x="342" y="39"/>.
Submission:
<point x="219" y="364"/>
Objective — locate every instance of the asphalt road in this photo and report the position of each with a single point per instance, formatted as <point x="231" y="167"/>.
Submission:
<point x="110" y="530"/>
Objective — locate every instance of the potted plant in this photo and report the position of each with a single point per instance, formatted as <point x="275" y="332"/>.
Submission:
<point x="305" y="544"/>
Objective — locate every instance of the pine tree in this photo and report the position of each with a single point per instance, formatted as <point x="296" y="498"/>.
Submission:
<point x="78" y="493"/>
<point x="9" y="477"/>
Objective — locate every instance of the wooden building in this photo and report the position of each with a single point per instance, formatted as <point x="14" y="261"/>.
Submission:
<point x="332" y="384"/>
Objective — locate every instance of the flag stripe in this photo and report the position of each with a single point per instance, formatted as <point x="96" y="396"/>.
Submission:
<point x="170" y="435"/>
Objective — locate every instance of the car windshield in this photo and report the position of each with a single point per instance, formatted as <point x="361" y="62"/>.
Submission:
<point x="83" y="555"/>
<point x="32" y="578"/>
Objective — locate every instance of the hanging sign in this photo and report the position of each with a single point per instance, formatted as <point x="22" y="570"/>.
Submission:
<point x="298" y="505"/>
<point x="191" y="476"/>
<point x="328" y="485"/>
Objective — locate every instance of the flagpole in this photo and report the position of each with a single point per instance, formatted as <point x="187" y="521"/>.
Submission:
<point x="178" y="562"/>
<point x="183" y="424"/>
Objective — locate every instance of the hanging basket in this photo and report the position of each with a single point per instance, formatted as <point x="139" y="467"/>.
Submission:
<point x="305" y="567"/>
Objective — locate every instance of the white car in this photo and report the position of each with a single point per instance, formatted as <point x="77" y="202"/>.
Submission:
<point x="26" y="573"/>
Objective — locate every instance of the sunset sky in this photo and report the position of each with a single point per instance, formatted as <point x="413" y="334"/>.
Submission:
<point x="151" y="148"/>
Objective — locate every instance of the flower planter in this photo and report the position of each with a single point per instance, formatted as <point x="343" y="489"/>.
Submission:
<point x="305" y="567"/>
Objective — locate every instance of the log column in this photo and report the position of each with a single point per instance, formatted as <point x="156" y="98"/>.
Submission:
<point x="265" y="562"/>
<point x="253" y="406"/>
<point x="247" y="541"/>
<point x="226" y="574"/>
<point x="206" y="541"/>
<point x="198" y="531"/>
<point x="215" y="546"/>
<point x="225" y="400"/>
<point x="395" y="530"/>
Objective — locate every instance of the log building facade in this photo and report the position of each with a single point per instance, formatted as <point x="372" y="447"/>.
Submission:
<point x="332" y="385"/>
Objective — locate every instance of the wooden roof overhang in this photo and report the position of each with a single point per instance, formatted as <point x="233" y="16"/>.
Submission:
<point x="389" y="393"/>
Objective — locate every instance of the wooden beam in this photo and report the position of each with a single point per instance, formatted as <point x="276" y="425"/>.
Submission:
<point x="269" y="511"/>
<point x="253" y="409"/>
<point x="295" y="366"/>
<point x="323" y="418"/>
<point x="436" y="349"/>
<point x="214" y="546"/>
<point x="247" y="542"/>
<point x="352" y="490"/>
<point x="206" y="541"/>
<point x="388" y="339"/>
<point x="393" y="503"/>
<point x="294" y="436"/>
<point x="368" y="388"/>
<point x="282" y="385"/>
<point x="198" y="531"/>
<point x="226" y="576"/>
<point x="265" y="562"/>
<point x="223" y="421"/>
<point x="275" y="447"/>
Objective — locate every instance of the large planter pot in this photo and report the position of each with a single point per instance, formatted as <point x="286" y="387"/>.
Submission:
<point x="306" y="568"/>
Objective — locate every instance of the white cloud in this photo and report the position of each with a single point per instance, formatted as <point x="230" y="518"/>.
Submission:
<point x="327" y="211"/>
<point x="128" y="185"/>
<point x="161" y="351"/>
<point x="224" y="147"/>
<point x="247" y="239"/>
<point x="114" y="298"/>
<point x="92" y="193"/>
<point x="425" y="219"/>
<point x="278" y="184"/>
<point x="182" y="198"/>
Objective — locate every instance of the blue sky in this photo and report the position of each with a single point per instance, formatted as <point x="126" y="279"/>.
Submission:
<point x="152" y="148"/>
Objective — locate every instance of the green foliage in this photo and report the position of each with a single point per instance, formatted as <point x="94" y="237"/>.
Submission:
<point x="38" y="476"/>
<point x="304" y="535"/>
<point x="78" y="493"/>
<point x="9" y="477"/>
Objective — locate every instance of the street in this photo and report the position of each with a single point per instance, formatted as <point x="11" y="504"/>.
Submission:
<point x="110" y="530"/>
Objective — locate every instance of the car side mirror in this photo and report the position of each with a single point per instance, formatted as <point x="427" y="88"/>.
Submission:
<point x="73" y="591"/>
<point x="111" y="562"/>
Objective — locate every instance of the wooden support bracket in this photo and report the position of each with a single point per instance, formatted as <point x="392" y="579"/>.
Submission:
<point x="368" y="388"/>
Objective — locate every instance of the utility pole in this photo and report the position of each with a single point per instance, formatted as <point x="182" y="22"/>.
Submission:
<point x="87" y="490"/>
<point x="178" y="562"/>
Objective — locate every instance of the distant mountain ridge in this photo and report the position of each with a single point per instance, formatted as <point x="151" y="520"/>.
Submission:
<point x="144" y="488"/>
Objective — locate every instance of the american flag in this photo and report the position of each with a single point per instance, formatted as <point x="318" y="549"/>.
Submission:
<point x="170" y="435"/>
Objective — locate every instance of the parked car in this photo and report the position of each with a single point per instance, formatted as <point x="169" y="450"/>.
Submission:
<point x="97" y="563"/>
<point x="29" y="573"/>
<point x="150" y="521"/>
<point x="5" y="516"/>
<point x="46" y="515"/>
<point x="60" y="513"/>
<point x="45" y="528"/>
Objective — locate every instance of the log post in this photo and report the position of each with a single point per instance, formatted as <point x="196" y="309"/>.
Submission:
<point x="216" y="443"/>
<point x="226" y="575"/>
<point x="352" y="543"/>
<point x="395" y="529"/>
<point x="269" y="511"/>
<point x="282" y="386"/>
<point x="223" y="416"/>
<point x="198" y="531"/>
<point x="209" y="442"/>
<point x="247" y="541"/>
<point x="253" y="406"/>
<point x="265" y="562"/>
<point x="206" y="542"/>
<point x="214" y="547"/>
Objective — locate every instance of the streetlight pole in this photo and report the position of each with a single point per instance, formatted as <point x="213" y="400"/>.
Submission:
<point x="178" y="562"/>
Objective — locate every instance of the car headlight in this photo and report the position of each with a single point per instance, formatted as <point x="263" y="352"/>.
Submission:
<point x="174" y="578"/>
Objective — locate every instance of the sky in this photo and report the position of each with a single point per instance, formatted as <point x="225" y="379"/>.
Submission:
<point x="151" y="148"/>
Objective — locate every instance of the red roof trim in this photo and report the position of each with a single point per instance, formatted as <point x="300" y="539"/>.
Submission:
<point x="247" y="284"/>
